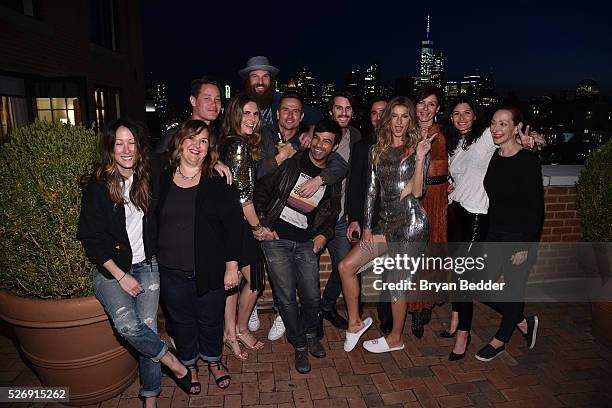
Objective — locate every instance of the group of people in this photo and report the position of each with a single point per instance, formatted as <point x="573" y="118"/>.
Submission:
<point x="267" y="188"/>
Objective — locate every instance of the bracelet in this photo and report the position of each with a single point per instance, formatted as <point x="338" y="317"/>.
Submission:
<point x="256" y="227"/>
<point x="122" y="277"/>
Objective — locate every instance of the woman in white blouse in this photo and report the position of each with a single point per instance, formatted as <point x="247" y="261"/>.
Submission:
<point x="470" y="148"/>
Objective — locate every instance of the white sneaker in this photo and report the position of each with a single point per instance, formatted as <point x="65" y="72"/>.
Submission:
<point x="254" y="322"/>
<point x="277" y="330"/>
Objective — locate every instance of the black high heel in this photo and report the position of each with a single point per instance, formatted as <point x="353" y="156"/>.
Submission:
<point x="220" y="379"/>
<point x="447" y="335"/>
<point x="454" y="356"/>
<point x="183" y="382"/>
<point x="194" y="384"/>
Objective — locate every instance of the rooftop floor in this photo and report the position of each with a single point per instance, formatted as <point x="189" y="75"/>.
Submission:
<point x="567" y="368"/>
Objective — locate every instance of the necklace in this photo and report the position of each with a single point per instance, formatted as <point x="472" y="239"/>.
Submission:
<point x="184" y="177"/>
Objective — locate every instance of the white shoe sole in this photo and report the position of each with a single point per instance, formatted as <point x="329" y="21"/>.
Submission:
<point x="535" y="332"/>
<point x="489" y="359"/>
<point x="254" y="324"/>
<point x="380" y="345"/>
<point x="352" y="339"/>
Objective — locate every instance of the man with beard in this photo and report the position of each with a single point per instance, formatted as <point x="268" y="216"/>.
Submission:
<point x="258" y="76"/>
<point x="341" y="111"/>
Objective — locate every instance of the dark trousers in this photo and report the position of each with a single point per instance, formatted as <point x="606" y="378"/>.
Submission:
<point x="293" y="265"/>
<point x="197" y="320"/>
<point x="469" y="231"/>
<point x="509" y="303"/>
<point x="338" y="248"/>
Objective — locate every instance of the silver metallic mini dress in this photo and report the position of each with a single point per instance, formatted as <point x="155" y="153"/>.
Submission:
<point x="404" y="221"/>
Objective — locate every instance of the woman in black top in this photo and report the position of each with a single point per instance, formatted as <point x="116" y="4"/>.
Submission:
<point x="118" y="233"/>
<point x="513" y="183"/>
<point x="200" y="224"/>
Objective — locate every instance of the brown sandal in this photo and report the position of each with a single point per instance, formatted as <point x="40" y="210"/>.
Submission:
<point x="254" y="343"/>
<point x="234" y="347"/>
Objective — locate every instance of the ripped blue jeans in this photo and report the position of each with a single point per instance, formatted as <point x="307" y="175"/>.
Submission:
<point x="135" y="319"/>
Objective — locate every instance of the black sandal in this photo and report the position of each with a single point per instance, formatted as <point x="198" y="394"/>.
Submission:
<point x="183" y="382"/>
<point x="222" y="378"/>
<point x="194" y="384"/>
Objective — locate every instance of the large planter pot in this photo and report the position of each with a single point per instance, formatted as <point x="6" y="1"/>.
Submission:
<point x="70" y="342"/>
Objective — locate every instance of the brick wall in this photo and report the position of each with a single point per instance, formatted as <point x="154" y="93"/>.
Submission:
<point x="561" y="224"/>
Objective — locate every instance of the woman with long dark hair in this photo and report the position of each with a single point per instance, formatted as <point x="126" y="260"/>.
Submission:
<point x="118" y="231"/>
<point x="397" y="168"/>
<point x="240" y="148"/>
<point x="200" y="226"/>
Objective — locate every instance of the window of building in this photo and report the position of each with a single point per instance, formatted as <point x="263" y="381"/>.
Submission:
<point x="107" y="105"/>
<point x="103" y="23"/>
<point x="13" y="114"/>
<point x="65" y="110"/>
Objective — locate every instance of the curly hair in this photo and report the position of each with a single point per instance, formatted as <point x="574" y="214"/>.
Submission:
<point x="232" y="120"/>
<point x="106" y="170"/>
<point x="453" y="138"/>
<point x="385" y="133"/>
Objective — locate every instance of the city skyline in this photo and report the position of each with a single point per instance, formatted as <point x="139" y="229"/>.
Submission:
<point x="536" y="44"/>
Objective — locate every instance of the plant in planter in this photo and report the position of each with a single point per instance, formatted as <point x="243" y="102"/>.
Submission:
<point x="45" y="276"/>
<point x="593" y="201"/>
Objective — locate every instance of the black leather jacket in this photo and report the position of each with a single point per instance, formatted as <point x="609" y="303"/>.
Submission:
<point x="272" y="193"/>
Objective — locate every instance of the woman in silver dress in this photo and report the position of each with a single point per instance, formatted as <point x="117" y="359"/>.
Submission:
<point x="397" y="166"/>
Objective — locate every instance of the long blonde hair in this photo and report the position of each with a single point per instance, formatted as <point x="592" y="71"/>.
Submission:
<point x="385" y="133"/>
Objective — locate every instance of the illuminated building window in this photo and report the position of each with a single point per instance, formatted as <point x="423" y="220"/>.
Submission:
<point x="107" y="105"/>
<point x="6" y="122"/>
<point x="65" y="110"/>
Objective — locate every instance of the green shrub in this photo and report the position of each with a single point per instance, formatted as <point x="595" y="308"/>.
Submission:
<point x="40" y="198"/>
<point x="594" y="195"/>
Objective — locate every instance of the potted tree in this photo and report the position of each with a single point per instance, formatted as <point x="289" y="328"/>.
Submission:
<point x="44" y="275"/>
<point x="594" y="204"/>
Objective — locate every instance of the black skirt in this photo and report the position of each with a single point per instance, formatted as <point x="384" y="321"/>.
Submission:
<point x="252" y="256"/>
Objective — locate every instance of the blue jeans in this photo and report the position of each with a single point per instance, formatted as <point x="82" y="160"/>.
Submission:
<point x="197" y="320"/>
<point x="338" y="248"/>
<point x="294" y="265"/>
<point x="136" y="320"/>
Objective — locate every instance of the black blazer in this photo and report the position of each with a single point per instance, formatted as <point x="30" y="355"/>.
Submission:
<point x="218" y="225"/>
<point x="102" y="230"/>
<point x="356" y="189"/>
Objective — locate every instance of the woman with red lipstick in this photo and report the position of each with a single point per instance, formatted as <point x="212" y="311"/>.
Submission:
<point x="513" y="183"/>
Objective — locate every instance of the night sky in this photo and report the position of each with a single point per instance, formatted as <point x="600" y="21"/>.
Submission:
<point x="530" y="47"/>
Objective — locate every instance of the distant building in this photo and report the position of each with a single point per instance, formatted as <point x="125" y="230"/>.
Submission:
<point x="481" y="88"/>
<point x="327" y="90"/>
<point x="308" y="86"/>
<point x="431" y="68"/>
<point x="371" y="80"/>
<point x="56" y="58"/>
<point x="587" y="88"/>
<point x="227" y="92"/>
<point x="353" y="83"/>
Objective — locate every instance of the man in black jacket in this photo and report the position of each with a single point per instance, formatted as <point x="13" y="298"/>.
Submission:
<point x="303" y="226"/>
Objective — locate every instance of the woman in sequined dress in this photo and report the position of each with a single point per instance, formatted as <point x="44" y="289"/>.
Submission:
<point x="397" y="168"/>
<point x="240" y="147"/>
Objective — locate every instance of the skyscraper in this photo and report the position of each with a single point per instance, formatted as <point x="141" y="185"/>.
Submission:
<point x="432" y="64"/>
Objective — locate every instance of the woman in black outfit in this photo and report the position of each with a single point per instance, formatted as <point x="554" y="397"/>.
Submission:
<point x="516" y="206"/>
<point x="118" y="232"/>
<point x="200" y="227"/>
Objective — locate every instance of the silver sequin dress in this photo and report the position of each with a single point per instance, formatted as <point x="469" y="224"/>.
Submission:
<point x="403" y="222"/>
